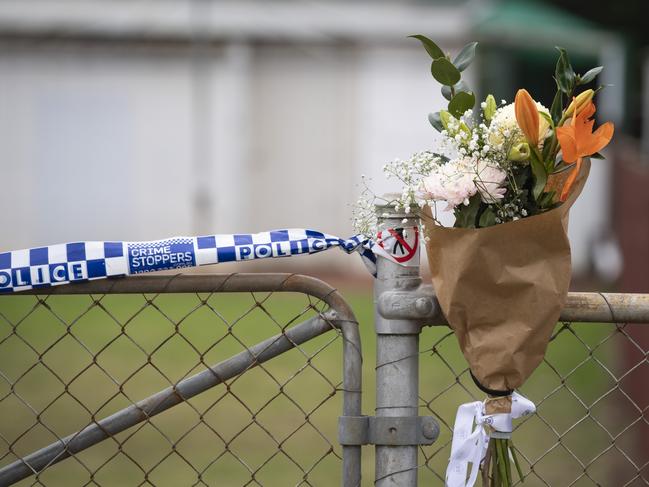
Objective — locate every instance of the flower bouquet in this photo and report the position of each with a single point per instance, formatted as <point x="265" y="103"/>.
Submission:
<point x="509" y="174"/>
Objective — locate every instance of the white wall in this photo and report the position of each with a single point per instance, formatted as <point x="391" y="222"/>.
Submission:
<point x="93" y="146"/>
<point x="302" y="160"/>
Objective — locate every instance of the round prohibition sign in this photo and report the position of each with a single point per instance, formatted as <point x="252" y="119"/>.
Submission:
<point x="401" y="244"/>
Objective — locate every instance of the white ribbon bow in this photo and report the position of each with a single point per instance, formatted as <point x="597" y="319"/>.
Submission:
<point x="470" y="444"/>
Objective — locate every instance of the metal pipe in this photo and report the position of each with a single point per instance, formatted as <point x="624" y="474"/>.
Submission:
<point x="422" y="305"/>
<point x="397" y="364"/>
<point x="580" y="307"/>
<point x="606" y="308"/>
<point x="352" y="395"/>
<point x="197" y="283"/>
<point x="339" y="315"/>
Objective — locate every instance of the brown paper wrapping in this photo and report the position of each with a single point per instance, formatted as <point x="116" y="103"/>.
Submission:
<point x="502" y="289"/>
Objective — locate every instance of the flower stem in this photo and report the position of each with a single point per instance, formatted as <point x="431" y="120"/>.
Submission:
<point x="518" y="466"/>
<point x="495" y="473"/>
<point x="486" y="464"/>
<point x="508" y="465"/>
<point x="502" y="467"/>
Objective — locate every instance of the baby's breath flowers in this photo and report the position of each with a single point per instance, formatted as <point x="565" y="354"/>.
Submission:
<point x="472" y="169"/>
<point x="364" y="216"/>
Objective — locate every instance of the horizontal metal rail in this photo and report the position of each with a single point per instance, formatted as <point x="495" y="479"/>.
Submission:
<point x="421" y="304"/>
<point x="338" y="315"/>
<point x="580" y="307"/>
<point x="606" y="308"/>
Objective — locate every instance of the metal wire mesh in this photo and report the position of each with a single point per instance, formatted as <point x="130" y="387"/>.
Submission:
<point x="591" y="425"/>
<point x="68" y="361"/>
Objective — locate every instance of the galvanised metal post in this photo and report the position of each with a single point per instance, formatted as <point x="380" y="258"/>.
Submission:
<point x="397" y="367"/>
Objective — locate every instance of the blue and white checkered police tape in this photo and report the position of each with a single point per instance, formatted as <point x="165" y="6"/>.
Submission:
<point x="81" y="261"/>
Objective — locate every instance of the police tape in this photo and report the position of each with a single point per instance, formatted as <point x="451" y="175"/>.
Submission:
<point x="53" y="265"/>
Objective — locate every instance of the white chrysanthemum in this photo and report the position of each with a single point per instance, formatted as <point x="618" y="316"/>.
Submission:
<point x="489" y="181"/>
<point x="452" y="182"/>
<point x="505" y="128"/>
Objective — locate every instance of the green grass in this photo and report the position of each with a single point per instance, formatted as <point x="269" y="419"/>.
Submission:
<point x="274" y="425"/>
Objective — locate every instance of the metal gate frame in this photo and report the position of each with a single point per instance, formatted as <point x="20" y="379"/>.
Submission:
<point x="339" y="315"/>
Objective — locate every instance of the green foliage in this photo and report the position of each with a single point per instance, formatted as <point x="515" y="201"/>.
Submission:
<point x="557" y="107"/>
<point x="490" y="108"/>
<point x="540" y="176"/>
<point x="436" y="121"/>
<point x="487" y="218"/>
<point x="445" y="72"/>
<point x="547" y="154"/>
<point x="521" y="175"/>
<point x="465" y="56"/>
<point x="546" y="200"/>
<point x="432" y="49"/>
<point x="589" y="75"/>
<point x="547" y="118"/>
<point x="567" y="81"/>
<point x="564" y="74"/>
<point x="466" y="215"/>
<point x="460" y="103"/>
<point x="449" y="75"/>
<point x="445" y="117"/>
<point x="457" y="88"/>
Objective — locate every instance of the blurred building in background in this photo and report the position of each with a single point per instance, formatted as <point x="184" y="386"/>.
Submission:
<point x="138" y="120"/>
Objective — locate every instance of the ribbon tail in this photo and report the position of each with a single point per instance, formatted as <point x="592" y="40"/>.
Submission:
<point x="469" y="446"/>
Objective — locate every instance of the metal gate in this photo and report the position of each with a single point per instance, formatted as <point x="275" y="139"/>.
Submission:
<point x="59" y="355"/>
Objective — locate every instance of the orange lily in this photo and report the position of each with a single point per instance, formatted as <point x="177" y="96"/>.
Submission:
<point x="578" y="140"/>
<point x="527" y="116"/>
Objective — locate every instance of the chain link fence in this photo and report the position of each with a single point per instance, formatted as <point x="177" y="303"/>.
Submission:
<point x="72" y="363"/>
<point x="107" y="360"/>
<point x="591" y="427"/>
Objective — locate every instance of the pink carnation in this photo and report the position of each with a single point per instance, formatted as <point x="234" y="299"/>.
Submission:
<point x="489" y="181"/>
<point x="451" y="182"/>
